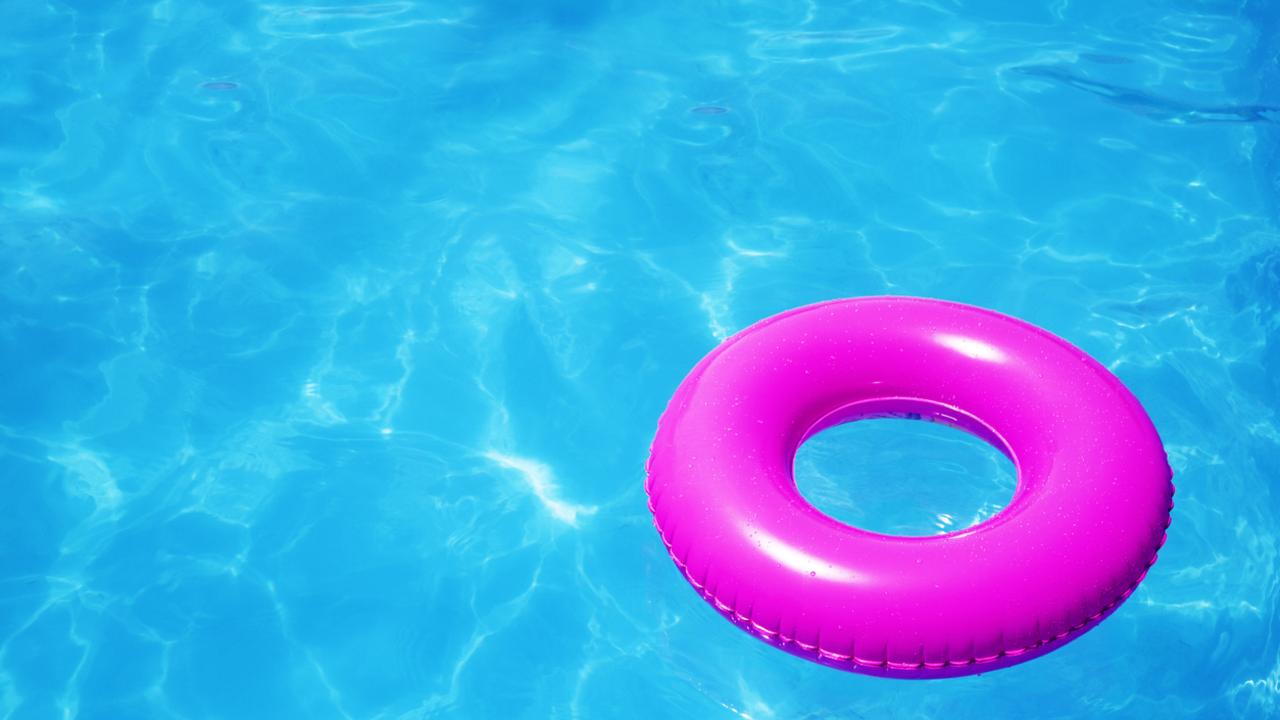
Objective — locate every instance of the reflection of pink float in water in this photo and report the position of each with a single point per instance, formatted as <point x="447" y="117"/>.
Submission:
<point x="1084" y="524"/>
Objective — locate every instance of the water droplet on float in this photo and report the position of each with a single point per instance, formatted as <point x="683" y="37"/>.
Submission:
<point x="710" y="110"/>
<point x="220" y="85"/>
<point x="813" y="573"/>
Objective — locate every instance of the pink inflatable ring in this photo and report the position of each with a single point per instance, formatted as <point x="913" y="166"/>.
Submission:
<point x="1089" y="513"/>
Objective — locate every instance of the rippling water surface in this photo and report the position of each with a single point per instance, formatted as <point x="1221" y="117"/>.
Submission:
<point x="332" y="338"/>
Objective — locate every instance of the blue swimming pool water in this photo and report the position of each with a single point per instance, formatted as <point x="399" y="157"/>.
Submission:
<point x="332" y="338"/>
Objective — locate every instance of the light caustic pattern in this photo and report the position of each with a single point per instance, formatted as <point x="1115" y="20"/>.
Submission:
<point x="332" y="338"/>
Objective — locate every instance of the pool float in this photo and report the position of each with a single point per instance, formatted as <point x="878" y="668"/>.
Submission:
<point x="1089" y="513"/>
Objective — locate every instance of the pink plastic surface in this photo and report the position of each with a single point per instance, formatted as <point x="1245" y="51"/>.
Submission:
<point x="1089" y="513"/>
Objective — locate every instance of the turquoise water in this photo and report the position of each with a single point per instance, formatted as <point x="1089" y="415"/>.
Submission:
<point x="332" y="338"/>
